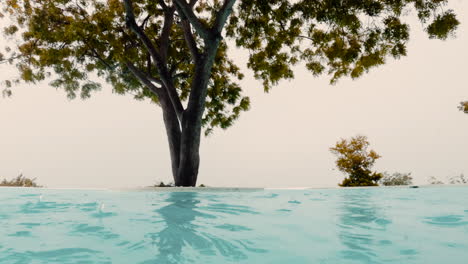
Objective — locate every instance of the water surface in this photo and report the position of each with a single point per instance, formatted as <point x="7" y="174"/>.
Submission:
<point x="369" y="225"/>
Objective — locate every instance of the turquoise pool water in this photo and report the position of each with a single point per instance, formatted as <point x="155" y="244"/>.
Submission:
<point x="374" y="225"/>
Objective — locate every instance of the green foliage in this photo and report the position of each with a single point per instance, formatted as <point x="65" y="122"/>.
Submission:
<point x="463" y="107"/>
<point x="355" y="160"/>
<point x="69" y="41"/>
<point x="340" y="38"/>
<point x="20" y="181"/>
<point x="442" y="25"/>
<point x="396" y="179"/>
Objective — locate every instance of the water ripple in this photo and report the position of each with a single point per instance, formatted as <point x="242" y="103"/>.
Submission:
<point x="21" y="234"/>
<point x="41" y="207"/>
<point x="103" y="214"/>
<point x="229" y="209"/>
<point x="62" y="255"/>
<point x="99" y="231"/>
<point x="29" y="225"/>
<point x="447" y="220"/>
<point x="234" y="228"/>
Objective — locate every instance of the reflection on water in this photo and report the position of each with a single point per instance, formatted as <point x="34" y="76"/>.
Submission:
<point x="359" y="220"/>
<point x="183" y="233"/>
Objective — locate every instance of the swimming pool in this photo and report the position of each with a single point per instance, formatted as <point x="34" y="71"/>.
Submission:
<point x="368" y="225"/>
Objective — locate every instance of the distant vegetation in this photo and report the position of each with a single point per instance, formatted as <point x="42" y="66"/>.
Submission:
<point x="463" y="107"/>
<point x="460" y="179"/>
<point x="355" y="160"/>
<point x="171" y="184"/>
<point x="162" y="184"/>
<point x="396" y="179"/>
<point x="20" y="181"/>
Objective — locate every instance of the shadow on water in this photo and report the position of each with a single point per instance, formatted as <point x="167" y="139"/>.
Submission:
<point x="185" y="239"/>
<point x="362" y="225"/>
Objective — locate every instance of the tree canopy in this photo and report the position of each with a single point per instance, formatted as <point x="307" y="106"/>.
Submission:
<point x="68" y="40"/>
<point x="356" y="160"/>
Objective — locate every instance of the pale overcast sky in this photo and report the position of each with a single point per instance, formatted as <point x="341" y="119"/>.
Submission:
<point x="407" y="108"/>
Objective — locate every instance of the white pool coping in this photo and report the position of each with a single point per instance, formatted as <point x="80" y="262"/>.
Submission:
<point x="234" y="189"/>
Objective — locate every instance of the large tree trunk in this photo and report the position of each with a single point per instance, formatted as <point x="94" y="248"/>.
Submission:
<point x="189" y="151"/>
<point x="184" y="150"/>
<point x="183" y="146"/>
<point x="184" y="139"/>
<point x="188" y="157"/>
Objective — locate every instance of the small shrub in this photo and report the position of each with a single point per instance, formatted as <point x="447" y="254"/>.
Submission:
<point x="162" y="184"/>
<point x="20" y="181"/>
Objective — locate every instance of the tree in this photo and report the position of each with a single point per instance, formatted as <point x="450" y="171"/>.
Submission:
<point x="396" y="179"/>
<point x="355" y="160"/>
<point x="463" y="107"/>
<point x="175" y="52"/>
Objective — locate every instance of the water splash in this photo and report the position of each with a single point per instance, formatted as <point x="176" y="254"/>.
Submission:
<point x="101" y="207"/>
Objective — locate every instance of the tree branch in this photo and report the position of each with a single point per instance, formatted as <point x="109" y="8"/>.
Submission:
<point x="151" y="78"/>
<point x="190" y="40"/>
<point x="162" y="68"/>
<point x="186" y="11"/>
<point x="305" y="37"/>
<point x="222" y="16"/>
<point x="143" y="78"/>
<point x="163" y="5"/>
<point x="133" y="26"/>
<point x="166" y="31"/>
<point x="143" y="24"/>
<point x="7" y="60"/>
<point x="203" y="69"/>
